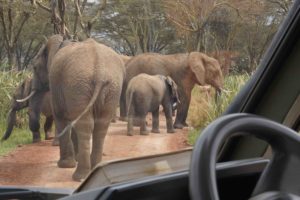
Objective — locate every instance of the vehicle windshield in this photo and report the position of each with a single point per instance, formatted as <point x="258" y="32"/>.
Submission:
<point x="154" y="74"/>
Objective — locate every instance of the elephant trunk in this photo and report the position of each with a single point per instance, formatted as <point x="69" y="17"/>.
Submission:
<point x="11" y="121"/>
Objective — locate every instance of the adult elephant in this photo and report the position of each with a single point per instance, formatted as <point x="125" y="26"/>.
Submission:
<point x="186" y="69"/>
<point x="22" y="91"/>
<point x="85" y="80"/>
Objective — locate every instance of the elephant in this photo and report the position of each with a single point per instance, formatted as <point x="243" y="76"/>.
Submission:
<point x="22" y="91"/>
<point x="125" y="58"/>
<point x="145" y="93"/>
<point x="186" y="69"/>
<point x="85" y="81"/>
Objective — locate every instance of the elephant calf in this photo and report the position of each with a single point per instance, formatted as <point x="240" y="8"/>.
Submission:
<point x="145" y="93"/>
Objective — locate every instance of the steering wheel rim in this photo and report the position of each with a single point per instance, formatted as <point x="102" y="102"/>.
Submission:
<point x="283" y="141"/>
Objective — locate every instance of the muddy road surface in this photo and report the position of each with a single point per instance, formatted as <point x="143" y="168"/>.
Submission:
<point x="35" y="164"/>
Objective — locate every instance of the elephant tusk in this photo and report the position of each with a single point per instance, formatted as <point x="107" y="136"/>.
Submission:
<point x="26" y="98"/>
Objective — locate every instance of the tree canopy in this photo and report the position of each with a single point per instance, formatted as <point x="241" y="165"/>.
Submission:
<point x="236" y="32"/>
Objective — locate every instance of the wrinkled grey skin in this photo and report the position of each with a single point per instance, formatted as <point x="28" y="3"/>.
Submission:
<point x="22" y="91"/>
<point x="186" y="69"/>
<point x="145" y="93"/>
<point x="125" y="60"/>
<point x="85" y="80"/>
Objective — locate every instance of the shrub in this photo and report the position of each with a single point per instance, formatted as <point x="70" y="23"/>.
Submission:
<point x="21" y="135"/>
<point x="204" y="109"/>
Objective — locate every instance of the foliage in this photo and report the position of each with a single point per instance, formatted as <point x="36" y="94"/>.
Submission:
<point x="8" y="82"/>
<point x="137" y="26"/>
<point x="236" y="32"/>
<point x="22" y="135"/>
<point x="204" y="109"/>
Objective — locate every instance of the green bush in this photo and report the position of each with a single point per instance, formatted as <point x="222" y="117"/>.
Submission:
<point x="204" y="109"/>
<point x="21" y="134"/>
<point x="9" y="81"/>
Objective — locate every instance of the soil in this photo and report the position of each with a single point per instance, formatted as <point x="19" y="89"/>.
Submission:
<point x="35" y="164"/>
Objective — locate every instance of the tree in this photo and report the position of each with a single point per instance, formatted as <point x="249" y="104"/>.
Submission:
<point x="227" y="26"/>
<point x="13" y="17"/>
<point x="136" y="26"/>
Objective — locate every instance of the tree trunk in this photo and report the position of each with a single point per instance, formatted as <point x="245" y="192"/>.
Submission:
<point x="11" y="56"/>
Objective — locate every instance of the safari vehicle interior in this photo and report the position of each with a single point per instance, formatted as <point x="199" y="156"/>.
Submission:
<point x="239" y="155"/>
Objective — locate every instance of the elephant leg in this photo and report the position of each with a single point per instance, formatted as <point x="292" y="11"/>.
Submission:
<point x="100" y="131"/>
<point x="114" y="119"/>
<point x="143" y="125"/>
<point x="155" y="121"/>
<point x="34" y="125"/>
<point x="123" y="109"/>
<point x="168" y="114"/>
<point x="66" y="148"/>
<point x="83" y="128"/>
<point x="75" y="142"/>
<point x="182" y="109"/>
<point x="48" y="128"/>
<point x="130" y="126"/>
<point x="55" y="141"/>
<point x="34" y="110"/>
<point x="130" y="121"/>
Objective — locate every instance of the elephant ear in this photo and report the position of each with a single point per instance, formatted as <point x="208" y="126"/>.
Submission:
<point x="197" y="66"/>
<point x="173" y="88"/>
<point x="53" y="44"/>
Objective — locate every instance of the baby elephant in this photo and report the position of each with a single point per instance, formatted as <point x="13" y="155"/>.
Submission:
<point x="145" y="94"/>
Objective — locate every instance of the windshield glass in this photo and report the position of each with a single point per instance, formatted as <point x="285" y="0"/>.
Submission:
<point x="154" y="74"/>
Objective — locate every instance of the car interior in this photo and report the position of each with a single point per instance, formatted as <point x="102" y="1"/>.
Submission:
<point x="251" y="152"/>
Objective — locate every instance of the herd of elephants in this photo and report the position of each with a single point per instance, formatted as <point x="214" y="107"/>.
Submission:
<point x="79" y="86"/>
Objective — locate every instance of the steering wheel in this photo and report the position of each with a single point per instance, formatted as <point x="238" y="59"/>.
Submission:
<point x="279" y="180"/>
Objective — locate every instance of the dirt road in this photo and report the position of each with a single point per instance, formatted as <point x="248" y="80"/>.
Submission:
<point x="35" y="164"/>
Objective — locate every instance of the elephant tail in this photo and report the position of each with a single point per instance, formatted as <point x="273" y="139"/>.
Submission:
<point x="129" y="106"/>
<point x="98" y="87"/>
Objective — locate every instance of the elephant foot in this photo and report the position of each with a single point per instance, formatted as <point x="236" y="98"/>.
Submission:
<point x="170" y="131"/>
<point x="137" y="123"/>
<point x="68" y="163"/>
<point x="178" y="125"/>
<point x="55" y="142"/>
<point x="130" y="133"/>
<point x="36" y="140"/>
<point x="49" y="136"/>
<point x="80" y="175"/>
<point x="114" y="120"/>
<point x="185" y="124"/>
<point x="155" y="131"/>
<point x="36" y="137"/>
<point x="124" y="119"/>
<point x="146" y="132"/>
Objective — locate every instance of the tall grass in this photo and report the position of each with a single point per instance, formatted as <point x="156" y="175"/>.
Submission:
<point x="204" y="109"/>
<point x="21" y="134"/>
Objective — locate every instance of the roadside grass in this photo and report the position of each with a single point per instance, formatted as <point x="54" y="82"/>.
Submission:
<point x="204" y="109"/>
<point x="19" y="137"/>
<point x="21" y="134"/>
